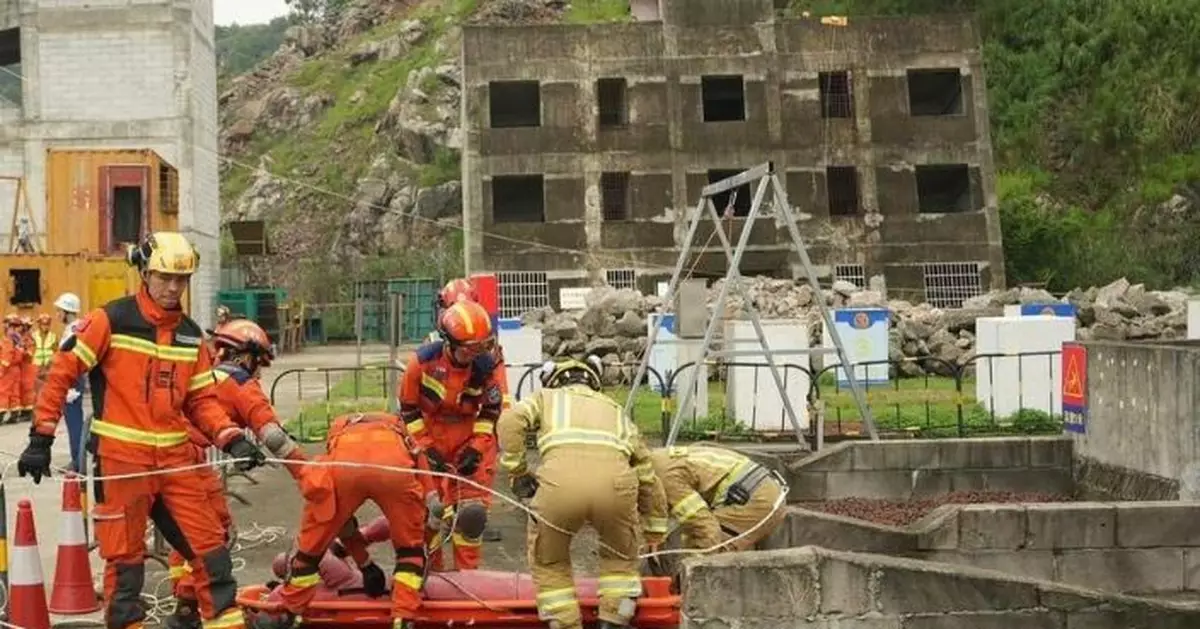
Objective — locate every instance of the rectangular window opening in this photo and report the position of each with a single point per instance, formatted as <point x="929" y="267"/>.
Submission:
<point x="168" y="189"/>
<point x="612" y="102"/>
<point x="127" y="211"/>
<point x="948" y="284"/>
<point x="514" y="104"/>
<point x="614" y="196"/>
<point x="837" y="99"/>
<point x="522" y="291"/>
<point x="841" y="184"/>
<point x="518" y="199"/>
<point x="943" y="188"/>
<point x="621" y="278"/>
<point x="26" y="286"/>
<point x="11" y="88"/>
<point x="724" y="98"/>
<point x="935" y="92"/>
<point x="741" y="195"/>
<point x="854" y="273"/>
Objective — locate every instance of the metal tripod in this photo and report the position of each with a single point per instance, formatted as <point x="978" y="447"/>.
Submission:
<point x="766" y="179"/>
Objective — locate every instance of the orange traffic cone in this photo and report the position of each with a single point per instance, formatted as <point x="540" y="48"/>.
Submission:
<point x="26" y="589"/>
<point x="73" y="591"/>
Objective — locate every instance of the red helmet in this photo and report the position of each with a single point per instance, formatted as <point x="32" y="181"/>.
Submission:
<point x="243" y="336"/>
<point x="466" y="323"/>
<point x="457" y="290"/>
<point x="43" y="318"/>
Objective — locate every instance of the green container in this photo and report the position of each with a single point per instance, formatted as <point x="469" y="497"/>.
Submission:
<point x="419" y="294"/>
<point x="260" y="305"/>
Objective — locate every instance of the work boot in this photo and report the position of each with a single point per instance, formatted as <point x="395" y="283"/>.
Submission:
<point x="25" y="416"/>
<point x="263" y="620"/>
<point x="185" y="616"/>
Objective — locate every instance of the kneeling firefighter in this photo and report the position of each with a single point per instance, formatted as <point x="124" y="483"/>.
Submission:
<point x="150" y="378"/>
<point x="595" y="470"/>
<point x="717" y="494"/>
<point x="333" y="493"/>
<point x="243" y="349"/>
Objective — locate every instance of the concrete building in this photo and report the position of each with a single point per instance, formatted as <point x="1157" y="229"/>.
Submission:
<point x="95" y="74"/>
<point x="581" y="162"/>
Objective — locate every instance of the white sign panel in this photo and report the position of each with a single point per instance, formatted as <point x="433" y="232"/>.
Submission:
<point x="864" y="334"/>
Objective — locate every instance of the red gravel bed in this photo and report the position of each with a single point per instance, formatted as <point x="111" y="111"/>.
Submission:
<point x="905" y="512"/>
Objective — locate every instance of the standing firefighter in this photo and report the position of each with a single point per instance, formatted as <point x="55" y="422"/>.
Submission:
<point x="450" y="399"/>
<point x="717" y="494"/>
<point x="462" y="289"/>
<point x="150" y="377"/>
<point x="68" y="308"/>
<point x="29" y="371"/>
<point x="11" y="357"/>
<point x="595" y="470"/>
<point x="332" y="495"/>
<point x="243" y="349"/>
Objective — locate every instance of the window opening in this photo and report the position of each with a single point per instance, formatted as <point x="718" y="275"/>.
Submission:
<point x="943" y="188"/>
<point x="614" y="196"/>
<point x="612" y="102"/>
<point x="11" y="88"/>
<point x="837" y="100"/>
<point x="948" y="284"/>
<point x="741" y="202"/>
<point x="518" y="199"/>
<point x="26" y="286"/>
<point x="724" y="98"/>
<point x="854" y="273"/>
<point x="522" y="291"/>
<point x="841" y="184"/>
<point x="621" y="278"/>
<point x="127" y="206"/>
<point x="514" y="104"/>
<point x="936" y="92"/>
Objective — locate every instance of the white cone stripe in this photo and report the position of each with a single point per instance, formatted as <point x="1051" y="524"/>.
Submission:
<point x="25" y="566"/>
<point x="70" y="530"/>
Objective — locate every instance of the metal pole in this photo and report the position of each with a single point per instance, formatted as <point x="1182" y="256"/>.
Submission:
<point x="358" y="331"/>
<point x="396" y="337"/>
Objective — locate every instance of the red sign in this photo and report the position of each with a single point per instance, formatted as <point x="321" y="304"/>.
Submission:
<point x="488" y="290"/>
<point x="1074" y="375"/>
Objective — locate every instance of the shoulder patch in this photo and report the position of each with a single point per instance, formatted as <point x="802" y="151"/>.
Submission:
<point x="493" y="395"/>
<point x="82" y="324"/>
<point x="236" y="373"/>
<point x="429" y="351"/>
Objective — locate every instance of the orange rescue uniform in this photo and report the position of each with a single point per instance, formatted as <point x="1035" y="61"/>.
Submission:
<point x="149" y="375"/>
<point x="29" y="372"/>
<point x="332" y="495"/>
<point x="448" y="409"/>
<point x="10" y="373"/>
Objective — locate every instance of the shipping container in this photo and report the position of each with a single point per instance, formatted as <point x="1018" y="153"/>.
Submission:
<point x="260" y="305"/>
<point x="419" y="294"/>
<point x="34" y="281"/>
<point x="97" y="201"/>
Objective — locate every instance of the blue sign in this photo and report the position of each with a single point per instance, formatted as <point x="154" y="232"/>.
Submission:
<point x="1056" y="310"/>
<point x="864" y="335"/>
<point x="511" y="323"/>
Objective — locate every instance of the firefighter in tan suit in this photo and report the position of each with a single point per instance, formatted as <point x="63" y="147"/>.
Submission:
<point x="595" y="470"/>
<point x="717" y="494"/>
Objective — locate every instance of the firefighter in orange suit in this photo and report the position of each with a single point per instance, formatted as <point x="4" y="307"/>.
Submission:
<point x="462" y="289"/>
<point x="29" y="371"/>
<point x="450" y="399"/>
<point x="243" y="349"/>
<point x="595" y="470"/>
<point x="11" y="356"/>
<point x="332" y="494"/>
<point x="150" y="377"/>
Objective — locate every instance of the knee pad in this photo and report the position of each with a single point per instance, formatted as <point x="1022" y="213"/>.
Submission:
<point x="279" y="567"/>
<point x="471" y="520"/>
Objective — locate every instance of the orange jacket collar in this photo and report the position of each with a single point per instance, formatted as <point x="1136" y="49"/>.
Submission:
<point x="154" y="313"/>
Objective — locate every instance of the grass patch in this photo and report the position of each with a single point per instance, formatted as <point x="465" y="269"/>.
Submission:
<point x="926" y="407"/>
<point x="444" y="168"/>
<point x="595" y="11"/>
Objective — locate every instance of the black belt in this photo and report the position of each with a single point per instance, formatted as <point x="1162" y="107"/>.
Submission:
<point x="747" y="483"/>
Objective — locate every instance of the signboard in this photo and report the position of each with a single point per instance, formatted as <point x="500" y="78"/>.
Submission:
<point x="1074" y="387"/>
<point x="1054" y="310"/>
<point x="864" y="333"/>
<point x="664" y="355"/>
<point x="573" y="298"/>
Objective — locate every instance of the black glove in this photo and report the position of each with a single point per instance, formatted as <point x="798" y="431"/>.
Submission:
<point x="436" y="462"/>
<point x="468" y="461"/>
<point x="240" y="448"/>
<point x="35" y="460"/>
<point x="338" y="549"/>
<point x="524" y="486"/>
<point x="374" y="583"/>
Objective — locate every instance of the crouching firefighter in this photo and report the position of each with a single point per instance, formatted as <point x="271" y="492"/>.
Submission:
<point x="149" y="376"/>
<point x="450" y="398"/>
<point x="718" y="494"/>
<point x="333" y="493"/>
<point x="595" y="470"/>
<point x="243" y="349"/>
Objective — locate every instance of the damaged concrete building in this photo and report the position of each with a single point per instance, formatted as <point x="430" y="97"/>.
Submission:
<point x="582" y="160"/>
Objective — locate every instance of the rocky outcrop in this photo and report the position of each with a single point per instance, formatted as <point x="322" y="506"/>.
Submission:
<point x="924" y="339"/>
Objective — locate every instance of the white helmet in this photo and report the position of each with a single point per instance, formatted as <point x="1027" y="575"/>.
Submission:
<point x="68" y="302"/>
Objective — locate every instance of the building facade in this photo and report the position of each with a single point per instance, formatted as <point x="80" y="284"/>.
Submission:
<point x="110" y="74"/>
<point x="583" y="161"/>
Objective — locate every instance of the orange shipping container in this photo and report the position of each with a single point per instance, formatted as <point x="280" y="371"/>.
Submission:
<point x="32" y="282"/>
<point x="99" y="200"/>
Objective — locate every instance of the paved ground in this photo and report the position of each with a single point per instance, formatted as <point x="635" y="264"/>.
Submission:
<point x="273" y="504"/>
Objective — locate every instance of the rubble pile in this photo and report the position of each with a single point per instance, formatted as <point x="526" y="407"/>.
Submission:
<point x="613" y="323"/>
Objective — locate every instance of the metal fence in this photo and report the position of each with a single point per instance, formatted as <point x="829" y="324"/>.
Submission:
<point x="925" y="397"/>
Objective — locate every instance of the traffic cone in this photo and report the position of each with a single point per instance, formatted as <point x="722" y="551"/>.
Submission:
<point x="26" y="589"/>
<point x="73" y="591"/>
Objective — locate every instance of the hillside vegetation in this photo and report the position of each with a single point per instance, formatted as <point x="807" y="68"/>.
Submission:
<point x="1095" y="111"/>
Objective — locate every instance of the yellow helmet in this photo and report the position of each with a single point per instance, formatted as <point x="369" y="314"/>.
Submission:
<point x="165" y="252"/>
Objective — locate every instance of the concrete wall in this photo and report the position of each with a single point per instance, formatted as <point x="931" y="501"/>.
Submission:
<point x="1151" y="547"/>
<point x="667" y="147"/>
<point x="1142" y="436"/>
<point x="105" y="74"/>
<point x="907" y="469"/>
<point x="814" y="587"/>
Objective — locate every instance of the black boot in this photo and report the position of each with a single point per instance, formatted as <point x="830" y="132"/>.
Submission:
<point x="185" y="616"/>
<point x="263" y="620"/>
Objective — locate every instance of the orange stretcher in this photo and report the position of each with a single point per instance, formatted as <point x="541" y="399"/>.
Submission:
<point x="477" y="598"/>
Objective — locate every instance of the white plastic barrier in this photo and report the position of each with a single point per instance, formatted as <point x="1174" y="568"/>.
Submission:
<point x="522" y="346"/>
<point x="1008" y="383"/>
<point x="864" y="334"/>
<point x="1193" y="319"/>
<point x="752" y="396"/>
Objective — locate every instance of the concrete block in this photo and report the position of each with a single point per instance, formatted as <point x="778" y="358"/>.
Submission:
<point x="966" y="480"/>
<point x="986" y="620"/>
<point x="889" y="484"/>
<point x="896" y="455"/>
<point x="984" y="453"/>
<point x="1151" y="524"/>
<point x="1191" y="569"/>
<point x="807" y="487"/>
<point x="779" y="592"/>
<point x="837" y="458"/>
<point x="1022" y="480"/>
<point x="1062" y="598"/>
<point x="878" y="622"/>
<point x="1019" y="563"/>
<point x="1128" y="570"/>
<point x="938" y="530"/>
<point x="811" y="528"/>
<point x="931" y="590"/>
<point x="1051" y="452"/>
<point x="845" y="588"/>
<point x="1133" y="619"/>
<point x="713" y="591"/>
<point x="1078" y="525"/>
<point x="991" y="526"/>
<point x="931" y="482"/>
